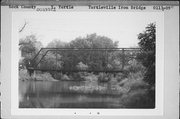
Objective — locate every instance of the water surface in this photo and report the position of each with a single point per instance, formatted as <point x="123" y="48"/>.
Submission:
<point x="57" y="94"/>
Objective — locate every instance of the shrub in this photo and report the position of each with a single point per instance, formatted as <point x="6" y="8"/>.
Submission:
<point x="23" y="74"/>
<point x="138" y="99"/>
<point x="138" y="94"/>
<point x="82" y="66"/>
<point x="120" y="76"/>
<point x="104" y="77"/>
<point x="57" y="75"/>
<point x="78" y="76"/>
<point x="134" y="66"/>
<point x="135" y="84"/>
<point x="65" y="77"/>
<point x="136" y="76"/>
<point x="134" y="80"/>
<point x="43" y="77"/>
<point x="91" y="78"/>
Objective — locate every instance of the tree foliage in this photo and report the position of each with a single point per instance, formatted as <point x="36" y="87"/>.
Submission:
<point x="56" y="44"/>
<point x="147" y="42"/>
<point x="94" y="60"/>
<point x="29" y="46"/>
<point x="93" y="41"/>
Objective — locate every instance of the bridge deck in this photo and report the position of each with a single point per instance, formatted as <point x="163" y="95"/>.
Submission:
<point x="75" y="71"/>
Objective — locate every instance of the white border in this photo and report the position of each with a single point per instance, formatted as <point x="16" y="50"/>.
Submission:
<point x="103" y="112"/>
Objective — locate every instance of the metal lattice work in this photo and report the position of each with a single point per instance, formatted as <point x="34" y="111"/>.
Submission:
<point x="93" y="59"/>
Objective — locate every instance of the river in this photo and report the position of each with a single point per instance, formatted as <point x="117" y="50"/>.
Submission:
<point x="57" y="94"/>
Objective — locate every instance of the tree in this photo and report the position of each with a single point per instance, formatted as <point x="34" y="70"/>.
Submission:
<point x="53" y="59"/>
<point x="68" y="59"/>
<point x="56" y="44"/>
<point x="93" y="41"/>
<point x="147" y="42"/>
<point x="94" y="59"/>
<point x="29" y="46"/>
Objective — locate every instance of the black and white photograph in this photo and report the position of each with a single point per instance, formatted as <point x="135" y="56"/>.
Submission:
<point x="87" y="60"/>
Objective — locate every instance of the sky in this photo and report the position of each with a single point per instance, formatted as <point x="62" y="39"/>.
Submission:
<point x="66" y="26"/>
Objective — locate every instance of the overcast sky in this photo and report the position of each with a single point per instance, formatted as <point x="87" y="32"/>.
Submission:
<point x="66" y="26"/>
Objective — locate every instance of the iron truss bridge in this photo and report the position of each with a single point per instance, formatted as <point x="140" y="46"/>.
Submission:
<point x="66" y="60"/>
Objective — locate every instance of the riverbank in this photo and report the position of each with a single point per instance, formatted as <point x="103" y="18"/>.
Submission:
<point x="129" y="87"/>
<point x="24" y="76"/>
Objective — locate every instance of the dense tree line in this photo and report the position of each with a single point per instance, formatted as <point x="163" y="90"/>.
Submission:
<point x="71" y="59"/>
<point x="88" y="59"/>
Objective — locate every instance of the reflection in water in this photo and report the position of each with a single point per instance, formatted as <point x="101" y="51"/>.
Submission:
<point x="48" y="94"/>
